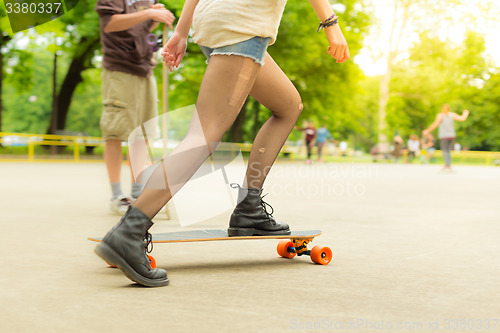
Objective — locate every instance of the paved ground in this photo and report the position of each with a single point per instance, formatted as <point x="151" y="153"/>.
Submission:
<point x="415" y="251"/>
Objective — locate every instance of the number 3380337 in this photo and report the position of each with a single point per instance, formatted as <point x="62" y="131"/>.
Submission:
<point x="25" y="8"/>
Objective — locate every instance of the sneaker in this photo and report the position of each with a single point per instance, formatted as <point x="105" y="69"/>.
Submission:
<point x="120" y="205"/>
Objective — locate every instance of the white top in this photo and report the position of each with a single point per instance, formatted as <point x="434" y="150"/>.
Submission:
<point x="218" y="23"/>
<point x="446" y="127"/>
<point x="413" y="145"/>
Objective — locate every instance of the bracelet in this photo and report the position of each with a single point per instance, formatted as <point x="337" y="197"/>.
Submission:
<point x="332" y="20"/>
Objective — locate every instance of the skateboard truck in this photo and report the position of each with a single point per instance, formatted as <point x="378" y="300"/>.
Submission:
<point x="291" y="248"/>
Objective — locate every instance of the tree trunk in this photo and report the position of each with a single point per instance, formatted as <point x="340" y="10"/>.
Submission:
<point x="73" y="77"/>
<point x="53" y="122"/>
<point x="3" y="41"/>
<point x="1" y="91"/>
<point x="383" y="143"/>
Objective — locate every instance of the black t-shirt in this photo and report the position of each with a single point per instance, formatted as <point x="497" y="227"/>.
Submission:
<point x="126" y="51"/>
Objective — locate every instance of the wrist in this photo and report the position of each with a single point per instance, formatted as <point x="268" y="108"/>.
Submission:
<point x="149" y="13"/>
<point x="182" y="30"/>
<point x="332" y="32"/>
<point x="329" y="22"/>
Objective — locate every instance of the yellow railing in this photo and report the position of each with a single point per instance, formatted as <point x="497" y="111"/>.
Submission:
<point x="32" y="140"/>
<point x="76" y="142"/>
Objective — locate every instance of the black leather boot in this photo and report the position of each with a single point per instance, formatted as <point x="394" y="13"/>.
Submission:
<point x="250" y="217"/>
<point x="125" y="246"/>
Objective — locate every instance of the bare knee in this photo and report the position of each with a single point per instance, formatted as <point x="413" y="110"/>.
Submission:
<point x="298" y="109"/>
<point x="290" y="110"/>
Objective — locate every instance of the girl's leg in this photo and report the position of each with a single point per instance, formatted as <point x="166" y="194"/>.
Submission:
<point x="225" y="86"/>
<point x="446" y="146"/>
<point x="273" y="89"/>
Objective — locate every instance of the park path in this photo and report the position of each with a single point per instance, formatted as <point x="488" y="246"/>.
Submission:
<point x="415" y="251"/>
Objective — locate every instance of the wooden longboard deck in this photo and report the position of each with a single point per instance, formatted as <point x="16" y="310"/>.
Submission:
<point x="218" y="235"/>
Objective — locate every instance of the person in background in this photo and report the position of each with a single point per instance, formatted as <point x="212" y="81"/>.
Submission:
<point x="310" y="133"/>
<point x="322" y="135"/>
<point x="445" y="121"/>
<point x="398" y="143"/>
<point x="413" y="148"/>
<point x="343" y="145"/>
<point x="428" y="143"/>
<point x="129" y="93"/>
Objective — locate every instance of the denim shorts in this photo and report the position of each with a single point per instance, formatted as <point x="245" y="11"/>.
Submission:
<point x="254" y="48"/>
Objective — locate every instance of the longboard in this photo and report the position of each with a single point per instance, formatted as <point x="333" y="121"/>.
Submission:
<point x="291" y="245"/>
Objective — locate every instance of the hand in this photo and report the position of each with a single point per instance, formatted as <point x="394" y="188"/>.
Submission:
<point x="338" y="48"/>
<point x="160" y="14"/>
<point x="425" y="132"/>
<point x="174" y="51"/>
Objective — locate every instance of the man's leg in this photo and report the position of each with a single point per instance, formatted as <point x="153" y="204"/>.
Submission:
<point x="113" y="158"/>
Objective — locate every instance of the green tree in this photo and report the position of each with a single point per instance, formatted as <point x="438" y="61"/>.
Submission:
<point x="79" y="33"/>
<point x="437" y="72"/>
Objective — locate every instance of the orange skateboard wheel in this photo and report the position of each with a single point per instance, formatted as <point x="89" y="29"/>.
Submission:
<point x="112" y="266"/>
<point x="283" y="249"/>
<point x="152" y="261"/>
<point x="321" y="255"/>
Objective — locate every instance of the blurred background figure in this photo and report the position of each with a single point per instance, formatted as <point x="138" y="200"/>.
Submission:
<point x="310" y="133"/>
<point x="428" y="144"/>
<point x="322" y="135"/>
<point x="343" y="148"/>
<point x="445" y="120"/>
<point x="413" y="148"/>
<point x="398" y="143"/>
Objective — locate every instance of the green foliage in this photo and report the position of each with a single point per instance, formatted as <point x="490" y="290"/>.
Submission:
<point x="327" y="88"/>
<point x="22" y="111"/>
<point x="436" y="71"/>
<point x="439" y="72"/>
<point x="85" y="110"/>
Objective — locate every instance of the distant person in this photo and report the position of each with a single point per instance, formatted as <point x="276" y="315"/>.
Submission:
<point x="322" y="136"/>
<point x="445" y="121"/>
<point x="457" y="147"/>
<point x="428" y="144"/>
<point x="343" y="148"/>
<point x="413" y="148"/>
<point x="129" y="92"/>
<point x="398" y="143"/>
<point x="310" y="133"/>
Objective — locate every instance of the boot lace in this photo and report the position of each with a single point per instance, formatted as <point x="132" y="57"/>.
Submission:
<point x="265" y="205"/>
<point x="148" y="239"/>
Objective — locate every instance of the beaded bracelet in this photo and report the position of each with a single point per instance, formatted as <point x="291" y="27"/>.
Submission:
<point x="332" y="20"/>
